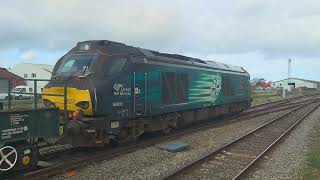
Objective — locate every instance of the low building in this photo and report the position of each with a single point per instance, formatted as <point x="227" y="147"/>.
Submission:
<point x="296" y="83"/>
<point x="33" y="71"/>
<point x="15" y="80"/>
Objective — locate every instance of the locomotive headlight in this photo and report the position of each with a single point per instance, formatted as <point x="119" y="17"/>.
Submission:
<point x="83" y="105"/>
<point x="84" y="47"/>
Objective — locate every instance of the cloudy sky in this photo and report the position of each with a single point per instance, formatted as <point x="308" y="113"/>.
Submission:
<point x="258" y="35"/>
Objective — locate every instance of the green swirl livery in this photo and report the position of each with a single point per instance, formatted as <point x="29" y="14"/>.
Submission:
<point x="207" y="88"/>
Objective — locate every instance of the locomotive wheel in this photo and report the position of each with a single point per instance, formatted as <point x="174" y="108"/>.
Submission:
<point x="124" y="135"/>
<point x="9" y="156"/>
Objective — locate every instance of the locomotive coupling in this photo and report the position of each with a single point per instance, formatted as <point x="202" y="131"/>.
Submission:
<point x="74" y="115"/>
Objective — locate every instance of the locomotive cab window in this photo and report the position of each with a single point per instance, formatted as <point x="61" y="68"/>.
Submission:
<point x="76" y="64"/>
<point x="114" y="66"/>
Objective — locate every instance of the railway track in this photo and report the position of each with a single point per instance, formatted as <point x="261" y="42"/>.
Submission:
<point x="77" y="158"/>
<point x="237" y="158"/>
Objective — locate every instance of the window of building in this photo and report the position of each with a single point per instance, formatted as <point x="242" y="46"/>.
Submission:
<point x="174" y="88"/>
<point x="33" y="75"/>
<point x="25" y="75"/>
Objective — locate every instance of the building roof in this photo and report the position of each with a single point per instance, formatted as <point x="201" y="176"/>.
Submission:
<point x="311" y="81"/>
<point x="22" y="68"/>
<point x="15" y="79"/>
<point x="35" y="65"/>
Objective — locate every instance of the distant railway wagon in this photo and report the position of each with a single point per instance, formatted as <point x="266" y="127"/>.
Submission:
<point x="21" y="131"/>
<point x="118" y="92"/>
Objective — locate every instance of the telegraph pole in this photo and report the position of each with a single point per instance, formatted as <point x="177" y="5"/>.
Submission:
<point x="289" y="70"/>
<point x="289" y="77"/>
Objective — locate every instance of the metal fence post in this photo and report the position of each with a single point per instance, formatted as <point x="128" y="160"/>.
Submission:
<point x="65" y="97"/>
<point x="35" y="98"/>
<point x="9" y="94"/>
<point x="134" y="104"/>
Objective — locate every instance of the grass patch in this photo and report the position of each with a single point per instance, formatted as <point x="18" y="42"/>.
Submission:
<point x="312" y="164"/>
<point x="260" y="98"/>
<point x="264" y="95"/>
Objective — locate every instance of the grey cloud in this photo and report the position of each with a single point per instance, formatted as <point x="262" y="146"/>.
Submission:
<point x="28" y="55"/>
<point x="272" y="27"/>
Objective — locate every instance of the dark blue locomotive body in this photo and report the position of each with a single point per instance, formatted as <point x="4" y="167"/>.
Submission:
<point x="120" y="92"/>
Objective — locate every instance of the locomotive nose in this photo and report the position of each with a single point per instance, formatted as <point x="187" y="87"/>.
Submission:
<point x="77" y="100"/>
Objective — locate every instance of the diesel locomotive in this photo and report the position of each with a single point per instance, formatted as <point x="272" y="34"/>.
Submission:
<point x="117" y="92"/>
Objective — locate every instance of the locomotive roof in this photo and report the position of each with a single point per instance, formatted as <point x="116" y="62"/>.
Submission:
<point x="119" y="48"/>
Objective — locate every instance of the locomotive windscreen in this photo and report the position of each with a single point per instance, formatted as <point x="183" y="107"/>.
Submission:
<point x="76" y="64"/>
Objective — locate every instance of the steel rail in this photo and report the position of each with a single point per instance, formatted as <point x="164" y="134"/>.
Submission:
<point x="275" y="142"/>
<point x="288" y="104"/>
<point x="203" y="158"/>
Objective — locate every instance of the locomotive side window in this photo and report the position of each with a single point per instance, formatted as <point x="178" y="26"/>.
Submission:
<point x="241" y="84"/>
<point x="224" y="87"/>
<point x="168" y="88"/>
<point x="174" y="88"/>
<point x="182" y="90"/>
<point x="227" y="89"/>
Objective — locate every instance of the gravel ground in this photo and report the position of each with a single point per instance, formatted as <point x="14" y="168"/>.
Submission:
<point x="152" y="162"/>
<point x="287" y="159"/>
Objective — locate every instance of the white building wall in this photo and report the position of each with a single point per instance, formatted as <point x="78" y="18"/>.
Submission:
<point x="33" y="71"/>
<point x="299" y="83"/>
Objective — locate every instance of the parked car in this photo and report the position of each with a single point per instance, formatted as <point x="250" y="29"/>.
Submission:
<point x="3" y="96"/>
<point x="22" y="89"/>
